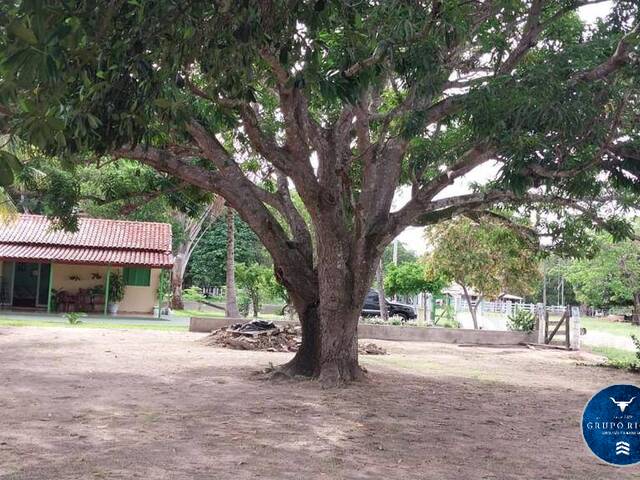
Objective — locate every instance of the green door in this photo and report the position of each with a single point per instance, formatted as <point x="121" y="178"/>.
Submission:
<point x="43" y="284"/>
<point x="25" y="284"/>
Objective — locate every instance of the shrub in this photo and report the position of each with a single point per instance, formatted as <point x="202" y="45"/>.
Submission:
<point x="636" y="343"/>
<point x="193" y="294"/>
<point x="244" y="301"/>
<point x="522" y="320"/>
<point x="74" y="317"/>
<point x="116" y="288"/>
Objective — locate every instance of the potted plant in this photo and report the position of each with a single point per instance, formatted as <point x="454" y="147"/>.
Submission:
<point x="116" y="292"/>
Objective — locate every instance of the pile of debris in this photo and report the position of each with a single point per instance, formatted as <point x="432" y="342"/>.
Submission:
<point x="370" y="349"/>
<point x="267" y="336"/>
<point x="257" y="335"/>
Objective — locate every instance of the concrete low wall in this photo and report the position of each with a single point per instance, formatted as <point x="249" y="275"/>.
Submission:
<point x="444" y="335"/>
<point x="394" y="332"/>
<point x="207" y="324"/>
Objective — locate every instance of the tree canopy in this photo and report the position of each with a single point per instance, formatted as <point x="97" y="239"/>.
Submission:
<point x="343" y="102"/>
<point x="410" y="278"/>
<point x="207" y="265"/>
<point x="484" y="256"/>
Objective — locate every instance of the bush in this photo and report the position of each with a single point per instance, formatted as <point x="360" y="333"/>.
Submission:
<point x="244" y="301"/>
<point x="636" y="342"/>
<point x="193" y="294"/>
<point x="522" y="320"/>
<point x="116" y="288"/>
<point x="74" y="317"/>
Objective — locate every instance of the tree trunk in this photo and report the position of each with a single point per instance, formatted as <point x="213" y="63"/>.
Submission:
<point x="231" y="309"/>
<point x="329" y="350"/>
<point x="635" y="319"/>
<point x="256" y="304"/>
<point x="176" y="283"/>
<point x="382" y="298"/>
<point x="472" y="309"/>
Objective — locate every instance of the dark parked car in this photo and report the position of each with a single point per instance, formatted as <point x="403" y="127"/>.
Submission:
<point x="371" y="308"/>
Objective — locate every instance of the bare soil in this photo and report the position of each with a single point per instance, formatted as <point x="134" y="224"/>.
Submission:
<point x="107" y="404"/>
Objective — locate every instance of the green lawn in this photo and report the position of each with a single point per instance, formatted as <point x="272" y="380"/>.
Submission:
<point x="198" y="313"/>
<point x="617" y="357"/>
<point x="622" y="329"/>
<point x="6" y="322"/>
<point x="220" y="313"/>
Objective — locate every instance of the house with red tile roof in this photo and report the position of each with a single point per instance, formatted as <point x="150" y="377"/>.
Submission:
<point x="45" y="268"/>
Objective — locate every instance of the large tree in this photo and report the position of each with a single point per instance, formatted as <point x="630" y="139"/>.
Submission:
<point x="343" y="102"/>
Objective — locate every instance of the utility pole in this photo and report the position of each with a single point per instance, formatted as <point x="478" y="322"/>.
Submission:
<point x="544" y="284"/>
<point x="384" y="314"/>
<point x="395" y="251"/>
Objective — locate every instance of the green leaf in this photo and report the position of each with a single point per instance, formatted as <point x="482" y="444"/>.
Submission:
<point x="19" y="30"/>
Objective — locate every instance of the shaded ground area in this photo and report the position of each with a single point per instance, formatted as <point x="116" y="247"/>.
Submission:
<point x="108" y="404"/>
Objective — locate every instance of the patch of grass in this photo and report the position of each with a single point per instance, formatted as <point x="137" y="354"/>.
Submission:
<point x="220" y="314"/>
<point x="622" y="329"/>
<point x="7" y="322"/>
<point x="198" y="313"/>
<point x="618" y="358"/>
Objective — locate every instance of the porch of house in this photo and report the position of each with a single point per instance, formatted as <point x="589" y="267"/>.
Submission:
<point x="11" y="317"/>
<point x="41" y="288"/>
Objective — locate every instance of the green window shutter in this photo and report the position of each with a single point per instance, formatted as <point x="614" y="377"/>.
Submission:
<point x="137" y="277"/>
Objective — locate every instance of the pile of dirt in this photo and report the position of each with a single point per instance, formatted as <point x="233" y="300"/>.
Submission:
<point x="267" y="336"/>
<point x="257" y="335"/>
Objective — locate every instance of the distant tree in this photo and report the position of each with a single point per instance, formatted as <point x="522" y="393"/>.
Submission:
<point x="404" y="255"/>
<point x="256" y="282"/>
<point x="207" y="266"/>
<point x="411" y="278"/>
<point x="193" y="228"/>
<point x="611" y="277"/>
<point x="485" y="256"/>
<point x="553" y="272"/>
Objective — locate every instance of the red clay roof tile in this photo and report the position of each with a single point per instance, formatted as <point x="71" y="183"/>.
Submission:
<point x="97" y="242"/>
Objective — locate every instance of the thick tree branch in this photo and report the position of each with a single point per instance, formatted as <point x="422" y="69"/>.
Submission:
<point x="423" y="194"/>
<point x="620" y="58"/>
<point x="531" y="30"/>
<point x="240" y="194"/>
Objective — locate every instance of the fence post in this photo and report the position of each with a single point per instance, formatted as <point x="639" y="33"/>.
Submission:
<point x="426" y="308"/>
<point x="574" y="343"/>
<point x="541" y="322"/>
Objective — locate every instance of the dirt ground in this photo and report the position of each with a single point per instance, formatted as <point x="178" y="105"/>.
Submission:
<point x="106" y="404"/>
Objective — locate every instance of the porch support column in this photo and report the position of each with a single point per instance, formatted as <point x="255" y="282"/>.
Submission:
<point x="160" y="292"/>
<point x="49" y="294"/>
<point x="106" y="290"/>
